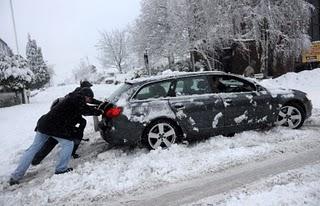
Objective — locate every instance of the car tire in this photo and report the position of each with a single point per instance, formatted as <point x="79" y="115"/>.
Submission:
<point x="160" y="133"/>
<point x="291" y="115"/>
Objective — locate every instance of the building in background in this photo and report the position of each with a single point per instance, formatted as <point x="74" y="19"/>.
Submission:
<point x="314" y="30"/>
<point x="234" y="61"/>
<point x="311" y="58"/>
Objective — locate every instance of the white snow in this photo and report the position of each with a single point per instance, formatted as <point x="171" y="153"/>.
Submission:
<point x="241" y="118"/>
<point x="180" y="114"/>
<point x="102" y="175"/>
<point x="295" y="187"/>
<point x="216" y="120"/>
<point x="306" y="81"/>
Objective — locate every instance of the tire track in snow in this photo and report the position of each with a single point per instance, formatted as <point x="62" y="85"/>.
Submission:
<point x="214" y="184"/>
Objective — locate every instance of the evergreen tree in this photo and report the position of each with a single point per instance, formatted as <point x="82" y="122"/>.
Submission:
<point x="14" y="72"/>
<point x="37" y="64"/>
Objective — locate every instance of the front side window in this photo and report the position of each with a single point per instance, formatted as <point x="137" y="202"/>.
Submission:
<point x="155" y="90"/>
<point x="230" y="84"/>
<point x="192" y="86"/>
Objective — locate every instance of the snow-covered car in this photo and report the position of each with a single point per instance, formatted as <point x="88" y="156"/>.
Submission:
<point x="160" y="111"/>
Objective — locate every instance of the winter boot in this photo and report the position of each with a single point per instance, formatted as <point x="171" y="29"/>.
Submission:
<point x="13" y="182"/>
<point x="75" y="156"/>
<point x="67" y="170"/>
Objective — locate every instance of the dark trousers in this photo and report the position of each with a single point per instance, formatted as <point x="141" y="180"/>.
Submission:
<point x="51" y="143"/>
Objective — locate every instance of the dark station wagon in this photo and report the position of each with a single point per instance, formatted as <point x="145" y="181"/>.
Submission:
<point x="161" y="111"/>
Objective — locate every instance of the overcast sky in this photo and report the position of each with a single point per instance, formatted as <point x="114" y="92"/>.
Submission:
<point x="66" y="30"/>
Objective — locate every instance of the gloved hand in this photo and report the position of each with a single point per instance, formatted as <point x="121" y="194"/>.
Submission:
<point x="98" y="112"/>
<point x="100" y="107"/>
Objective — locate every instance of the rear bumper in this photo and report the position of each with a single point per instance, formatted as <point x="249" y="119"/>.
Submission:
<point x="120" y="131"/>
<point x="308" y="106"/>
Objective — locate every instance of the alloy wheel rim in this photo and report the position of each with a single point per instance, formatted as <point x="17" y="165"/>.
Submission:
<point x="289" y="116"/>
<point x="161" y="135"/>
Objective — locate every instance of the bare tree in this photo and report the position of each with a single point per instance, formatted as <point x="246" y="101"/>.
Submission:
<point x="113" y="46"/>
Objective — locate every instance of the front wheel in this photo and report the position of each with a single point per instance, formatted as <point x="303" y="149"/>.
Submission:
<point x="161" y="133"/>
<point x="291" y="116"/>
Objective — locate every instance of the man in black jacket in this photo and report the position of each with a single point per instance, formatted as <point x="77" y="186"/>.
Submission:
<point x="78" y="130"/>
<point x="58" y="123"/>
<point x="83" y="84"/>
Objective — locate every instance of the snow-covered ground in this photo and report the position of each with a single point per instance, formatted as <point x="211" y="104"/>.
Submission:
<point x="295" y="187"/>
<point x="102" y="175"/>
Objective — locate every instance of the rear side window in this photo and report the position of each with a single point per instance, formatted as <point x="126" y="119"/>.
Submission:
<point x="122" y="89"/>
<point x="155" y="90"/>
<point x="192" y="86"/>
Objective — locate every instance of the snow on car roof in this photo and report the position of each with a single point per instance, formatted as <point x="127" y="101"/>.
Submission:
<point x="170" y="75"/>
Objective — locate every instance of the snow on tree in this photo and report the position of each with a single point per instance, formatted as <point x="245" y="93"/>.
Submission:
<point x="114" y="49"/>
<point x="37" y="64"/>
<point x="203" y="27"/>
<point x="14" y="72"/>
<point x="160" y="30"/>
<point x="85" y="71"/>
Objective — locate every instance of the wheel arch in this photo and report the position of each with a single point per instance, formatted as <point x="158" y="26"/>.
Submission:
<point x="164" y="118"/>
<point x="296" y="102"/>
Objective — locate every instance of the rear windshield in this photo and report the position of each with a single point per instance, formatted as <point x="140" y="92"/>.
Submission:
<point x="122" y="89"/>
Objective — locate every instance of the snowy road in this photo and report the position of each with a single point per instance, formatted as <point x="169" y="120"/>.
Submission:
<point x="213" y="184"/>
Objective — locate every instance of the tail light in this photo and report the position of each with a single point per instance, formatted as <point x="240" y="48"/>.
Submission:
<point x="113" y="112"/>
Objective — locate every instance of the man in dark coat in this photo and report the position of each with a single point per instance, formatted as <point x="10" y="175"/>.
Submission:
<point x="58" y="123"/>
<point x="78" y="131"/>
<point x="83" y="84"/>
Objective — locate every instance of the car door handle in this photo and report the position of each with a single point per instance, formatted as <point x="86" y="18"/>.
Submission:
<point x="179" y="106"/>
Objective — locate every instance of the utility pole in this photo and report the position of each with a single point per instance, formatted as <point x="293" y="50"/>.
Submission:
<point x="14" y="26"/>
<point x="25" y="99"/>
<point x="146" y="61"/>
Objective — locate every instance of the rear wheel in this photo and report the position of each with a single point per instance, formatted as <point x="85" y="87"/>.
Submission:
<point x="161" y="133"/>
<point x="291" y="116"/>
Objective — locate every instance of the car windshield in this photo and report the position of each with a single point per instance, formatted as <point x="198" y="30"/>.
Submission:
<point x="122" y="89"/>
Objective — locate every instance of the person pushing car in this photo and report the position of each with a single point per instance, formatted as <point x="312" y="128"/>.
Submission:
<point x="58" y="123"/>
<point x="77" y="130"/>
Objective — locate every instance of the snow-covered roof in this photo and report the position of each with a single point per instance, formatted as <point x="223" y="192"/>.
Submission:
<point x="171" y="75"/>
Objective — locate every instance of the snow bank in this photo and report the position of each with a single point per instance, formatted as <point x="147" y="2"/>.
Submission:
<point x="306" y="81"/>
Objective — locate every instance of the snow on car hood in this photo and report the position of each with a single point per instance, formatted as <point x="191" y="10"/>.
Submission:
<point x="281" y="91"/>
<point x="276" y="90"/>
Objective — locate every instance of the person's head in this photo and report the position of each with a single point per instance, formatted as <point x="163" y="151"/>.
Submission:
<point x="215" y="82"/>
<point x="85" y="83"/>
<point x="87" y="93"/>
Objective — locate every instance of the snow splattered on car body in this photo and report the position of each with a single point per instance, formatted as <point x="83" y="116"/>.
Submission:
<point x="163" y="110"/>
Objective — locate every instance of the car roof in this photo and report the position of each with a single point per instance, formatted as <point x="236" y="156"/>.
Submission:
<point x="172" y="75"/>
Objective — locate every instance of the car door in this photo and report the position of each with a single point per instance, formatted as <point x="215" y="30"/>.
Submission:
<point x="244" y="105"/>
<point x="266" y="108"/>
<point x="196" y="108"/>
<point x="150" y="102"/>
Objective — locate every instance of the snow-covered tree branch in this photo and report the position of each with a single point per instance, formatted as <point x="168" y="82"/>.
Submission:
<point x="37" y="64"/>
<point x="14" y="72"/>
<point x="175" y="27"/>
<point x="114" y="49"/>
